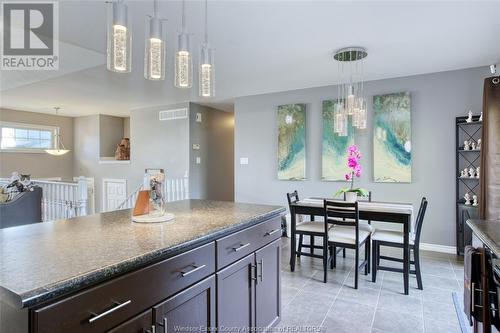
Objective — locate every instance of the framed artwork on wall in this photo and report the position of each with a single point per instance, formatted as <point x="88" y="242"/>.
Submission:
<point x="292" y="142"/>
<point x="334" y="147"/>
<point x="392" y="157"/>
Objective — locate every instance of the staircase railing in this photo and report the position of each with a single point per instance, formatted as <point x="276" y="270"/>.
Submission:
<point x="172" y="190"/>
<point x="62" y="199"/>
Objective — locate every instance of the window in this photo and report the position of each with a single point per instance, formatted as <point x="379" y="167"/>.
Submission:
<point x="26" y="137"/>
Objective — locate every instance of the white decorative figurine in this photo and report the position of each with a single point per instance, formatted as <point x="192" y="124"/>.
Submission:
<point x="469" y="118"/>
<point x="462" y="174"/>
<point x="477" y="172"/>
<point x="473" y="145"/>
<point x="466" y="145"/>
<point x="478" y="144"/>
<point x="465" y="172"/>
<point x="472" y="172"/>
<point x="467" y="198"/>
<point x="481" y="116"/>
<point x="474" y="200"/>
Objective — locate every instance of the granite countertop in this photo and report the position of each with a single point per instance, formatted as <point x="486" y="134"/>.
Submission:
<point x="488" y="232"/>
<point x="39" y="262"/>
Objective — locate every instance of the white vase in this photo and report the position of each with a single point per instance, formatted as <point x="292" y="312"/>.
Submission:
<point x="351" y="196"/>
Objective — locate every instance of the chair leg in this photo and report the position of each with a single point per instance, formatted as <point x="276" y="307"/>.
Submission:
<point x="378" y="254"/>
<point x="311" y="242"/>
<point x="416" y="256"/>
<point x="334" y="261"/>
<point x="367" y="255"/>
<point x="332" y="251"/>
<point x="356" y="267"/>
<point x="374" y="261"/>
<point x="299" y="251"/>
<point x="343" y="253"/>
<point x="325" y="259"/>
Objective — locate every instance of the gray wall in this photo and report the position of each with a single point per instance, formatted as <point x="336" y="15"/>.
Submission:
<point x="111" y="132"/>
<point x="213" y="178"/>
<point x="153" y="144"/>
<point x="436" y="100"/>
<point x="39" y="165"/>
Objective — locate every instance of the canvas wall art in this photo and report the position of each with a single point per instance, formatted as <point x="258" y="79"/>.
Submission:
<point x="292" y="142"/>
<point x="392" y="156"/>
<point x="334" y="147"/>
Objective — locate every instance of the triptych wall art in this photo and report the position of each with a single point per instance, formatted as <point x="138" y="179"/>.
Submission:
<point x="292" y="142"/>
<point x="334" y="147"/>
<point x="392" y="138"/>
<point x="392" y="156"/>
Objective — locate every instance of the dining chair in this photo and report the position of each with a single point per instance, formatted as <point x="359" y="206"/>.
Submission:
<point x="346" y="233"/>
<point x="391" y="238"/>
<point x="309" y="228"/>
<point x="364" y="225"/>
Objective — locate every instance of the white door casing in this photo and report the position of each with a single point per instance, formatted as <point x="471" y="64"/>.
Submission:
<point x="114" y="192"/>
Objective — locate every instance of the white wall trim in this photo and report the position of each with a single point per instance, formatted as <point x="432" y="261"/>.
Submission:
<point x="438" y="248"/>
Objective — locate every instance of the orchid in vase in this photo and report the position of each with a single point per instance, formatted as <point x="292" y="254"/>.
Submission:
<point x="353" y="157"/>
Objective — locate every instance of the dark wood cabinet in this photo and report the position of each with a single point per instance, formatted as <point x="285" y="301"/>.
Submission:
<point x="249" y="293"/>
<point x="192" y="310"/>
<point x="464" y="233"/>
<point x="211" y="286"/>
<point x="235" y="295"/>
<point x="268" y="288"/>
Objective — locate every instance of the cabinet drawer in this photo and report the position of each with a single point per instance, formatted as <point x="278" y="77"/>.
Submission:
<point x="236" y="246"/>
<point x="107" y="305"/>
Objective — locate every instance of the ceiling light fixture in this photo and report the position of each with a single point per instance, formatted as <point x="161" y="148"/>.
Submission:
<point x="119" y="43"/>
<point x="183" y="57"/>
<point x="59" y="148"/>
<point x="350" y="90"/>
<point x="207" y="68"/>
<point x="154" y="49"/>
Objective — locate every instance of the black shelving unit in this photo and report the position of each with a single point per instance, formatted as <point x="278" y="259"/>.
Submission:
<point x="466" y="159"/>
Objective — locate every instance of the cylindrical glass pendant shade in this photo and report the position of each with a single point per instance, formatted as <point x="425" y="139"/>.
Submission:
<point x="207" y="72"/>
<point x="351" y="99"/>
<point x="183" y="63"/>
<point x="363" y="115"/>
<point x="119" y="43"/>
<point x="154" y="50"/>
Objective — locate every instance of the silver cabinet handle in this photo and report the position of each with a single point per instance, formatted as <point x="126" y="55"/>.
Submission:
<point x="272" y="232"/>
<point x="195" y="269"/>
<point x="107" y="312"/>
<point x="262" y="270"/>
<point x="164" y="324"/>
<point x="241" y="247"/>
<point x="152" y="330"/>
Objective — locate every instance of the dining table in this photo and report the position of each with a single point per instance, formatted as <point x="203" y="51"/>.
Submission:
<point x="391" y="212"/>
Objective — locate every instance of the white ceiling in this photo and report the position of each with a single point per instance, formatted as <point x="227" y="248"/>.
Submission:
<point x="262" y="47"/>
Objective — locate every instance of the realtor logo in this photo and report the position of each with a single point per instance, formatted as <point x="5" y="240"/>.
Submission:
<point x="30" y="36"/>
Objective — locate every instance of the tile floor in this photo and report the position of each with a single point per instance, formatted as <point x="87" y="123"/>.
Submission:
<point x="309" y="305"/>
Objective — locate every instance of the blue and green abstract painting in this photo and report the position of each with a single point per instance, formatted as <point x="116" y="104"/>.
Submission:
<point x="334" y="155"/>
<point x="392" y="138"/>
<point x="292" y="142"/>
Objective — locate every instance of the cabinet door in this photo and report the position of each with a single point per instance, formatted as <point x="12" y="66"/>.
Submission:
<point x="268" y="287"/>
<point x="236" y="295"/>
<point x="142" y="323"/>
<point x="192" y="310"/>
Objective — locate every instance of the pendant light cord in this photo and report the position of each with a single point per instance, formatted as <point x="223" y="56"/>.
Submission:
<point x="183" y="16"/>
<point x="206" y="21"/>
<point x="155" y="8"/>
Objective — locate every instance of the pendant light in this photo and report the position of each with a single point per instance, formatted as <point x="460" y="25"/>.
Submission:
<point x="154" y="48"/>
<point x="351" y="100"/>
<point x="183" y="56"/>
<point x="58" y="148"/>
<point x="119" y="42"/>
<point x="207" y="68"/>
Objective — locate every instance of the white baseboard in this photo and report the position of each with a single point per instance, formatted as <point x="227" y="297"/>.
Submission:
<point x="438" y="248"/>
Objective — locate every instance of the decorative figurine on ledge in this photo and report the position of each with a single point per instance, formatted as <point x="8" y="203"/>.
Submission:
<point x="481" y="116"/>
<point x="477" y="172"/>
<point x="467" y="198"/>
<point x="472" y="173"/>
<point x="474" y="200"/>
<point x="469" y="118"/>
<point x="473" y="145"/>
<point x="466" y="145"/>
<point x="465" y="172"/>
<point x="478" y="144"/>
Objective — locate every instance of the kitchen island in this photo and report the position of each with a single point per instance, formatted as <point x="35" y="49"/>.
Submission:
<point x="216" y="265"/>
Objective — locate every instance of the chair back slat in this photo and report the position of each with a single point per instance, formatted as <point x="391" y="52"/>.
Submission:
<point x="337" y="212"/>
<point x="420" y="219"/>
<point x="292" y="197"/>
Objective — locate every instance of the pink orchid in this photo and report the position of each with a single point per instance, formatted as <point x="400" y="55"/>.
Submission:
<point x="347" y="176"/>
